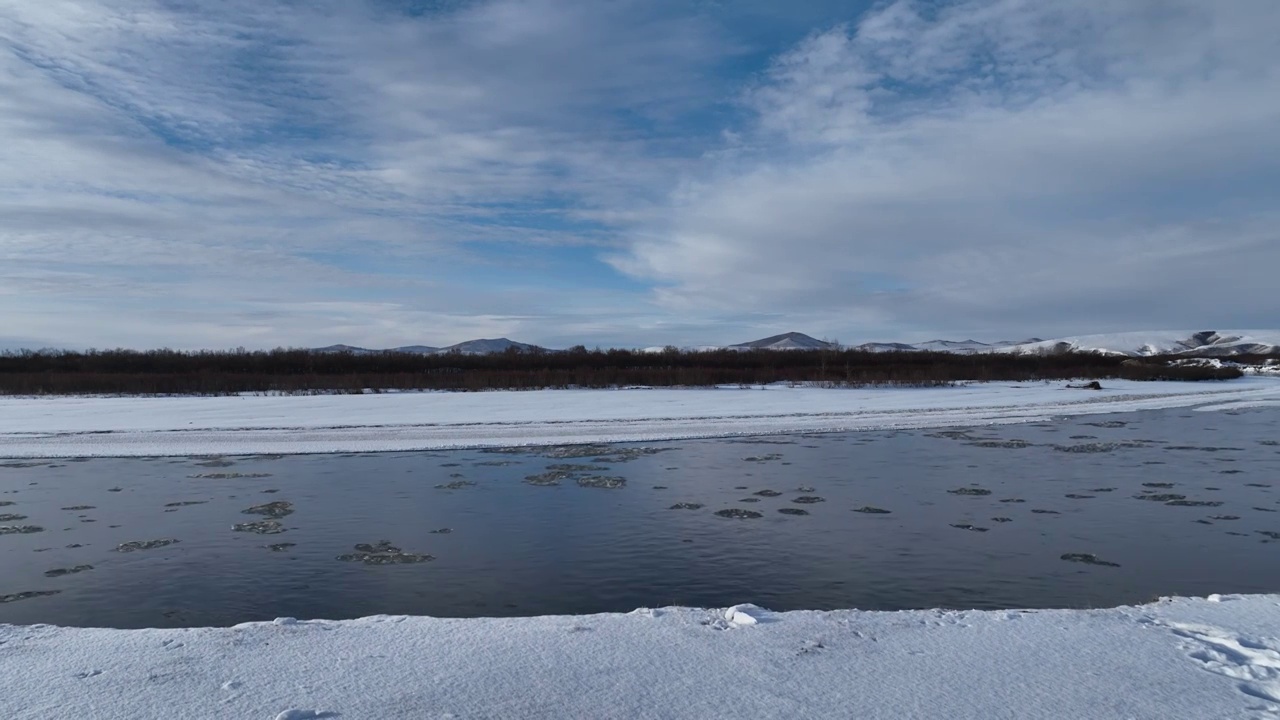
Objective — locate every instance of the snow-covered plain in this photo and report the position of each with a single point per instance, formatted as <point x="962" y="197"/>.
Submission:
<point x="150" y="426"/>
<point x="1174" y="659"/>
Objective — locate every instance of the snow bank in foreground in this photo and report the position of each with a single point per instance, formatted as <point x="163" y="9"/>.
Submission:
<point x="132" y="426"/>
<point x="1214" y="658"/>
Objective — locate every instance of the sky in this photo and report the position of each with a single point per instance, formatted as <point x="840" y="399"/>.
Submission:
<point x="253" y="173"/>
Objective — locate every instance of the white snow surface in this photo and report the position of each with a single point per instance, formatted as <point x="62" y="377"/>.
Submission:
<point x="1182" y="658"/>
<point x="47" y="427"/>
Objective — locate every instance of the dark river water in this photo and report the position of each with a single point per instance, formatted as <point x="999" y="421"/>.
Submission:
<point x="1082" y="512"/>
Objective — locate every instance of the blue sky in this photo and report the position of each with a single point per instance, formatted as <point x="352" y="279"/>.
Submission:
<point x="391" y="172"/>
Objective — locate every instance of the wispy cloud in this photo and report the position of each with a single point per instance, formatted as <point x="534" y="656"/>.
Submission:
<point x="261" y="173"/>
<point x="211" y="156"/>
<point x="992" y="165"/>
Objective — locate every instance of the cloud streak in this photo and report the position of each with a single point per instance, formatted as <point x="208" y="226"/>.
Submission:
<point x="217" y="158"/>
<point x="269" y="173"/>
<point x="995" y="165"/>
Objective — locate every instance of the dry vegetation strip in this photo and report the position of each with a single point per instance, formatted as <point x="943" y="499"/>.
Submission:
<point x="285" y="370"/>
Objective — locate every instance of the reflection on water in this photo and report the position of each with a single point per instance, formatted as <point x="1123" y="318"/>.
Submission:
<point x="1074" y="513"/>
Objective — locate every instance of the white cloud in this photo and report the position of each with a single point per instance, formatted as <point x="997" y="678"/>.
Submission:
<point x="266" y="173"/>
<point x="997" y="166"/>
<point x="213" y="158"/>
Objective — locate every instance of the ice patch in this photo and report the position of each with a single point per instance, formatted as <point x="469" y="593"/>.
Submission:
<point x="746" y="615"/>
<point x="295" y="714"/>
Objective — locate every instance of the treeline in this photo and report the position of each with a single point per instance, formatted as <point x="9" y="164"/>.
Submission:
<point x="300" y="371"/>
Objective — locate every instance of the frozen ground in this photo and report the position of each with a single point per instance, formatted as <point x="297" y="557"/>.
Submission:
<point x="1194" y="659"/>
<point x="146" y="426"/>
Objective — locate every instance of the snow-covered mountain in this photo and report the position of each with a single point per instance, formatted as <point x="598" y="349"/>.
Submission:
<point x="1222" y="343"/>
<point x="785" y="341"/>
<point x="883" y="347"/>
<point x="962" y="347"/>
<point x="955" y="346"/>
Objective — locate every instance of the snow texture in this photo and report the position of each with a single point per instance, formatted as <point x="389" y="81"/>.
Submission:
<point x="1181" y="658"/>
<point x="183" y="426"/>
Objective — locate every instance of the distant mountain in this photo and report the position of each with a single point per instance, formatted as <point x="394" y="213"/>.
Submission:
<point x="652" y="349"/>
<point x="883" y="347"/>
<point x="487" y="346"/>
<point x="1224" y="343"/>
<point x="961" y="347"/>
<point x="345" y="349"/>
<point x="955" y="346"/>
<point x="471" y="347"/>
<point x="785" y="341"/>
<point x="1136" y="344"/>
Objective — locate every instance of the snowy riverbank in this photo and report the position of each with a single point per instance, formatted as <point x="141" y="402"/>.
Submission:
<point x="1182" y="658"/>
<point x="142" y="426"/>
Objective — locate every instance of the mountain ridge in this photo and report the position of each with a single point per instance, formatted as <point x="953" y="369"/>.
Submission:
<point x="479" y="346"/>
<point x="785" y="341"/>
<point x="1213" y="343"/>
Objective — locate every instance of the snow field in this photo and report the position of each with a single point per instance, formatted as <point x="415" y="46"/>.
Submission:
<point x="1182" y="658"/>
